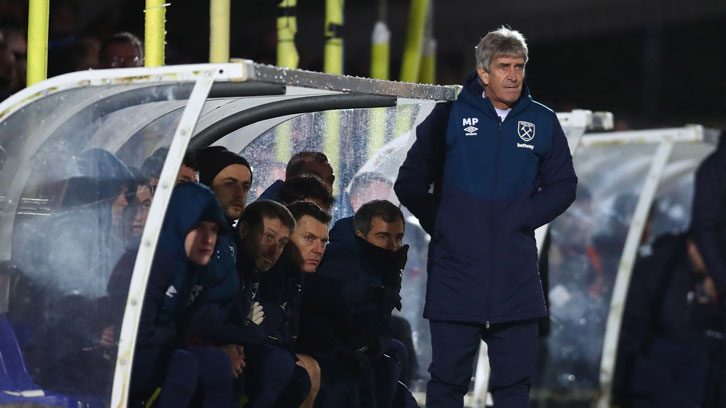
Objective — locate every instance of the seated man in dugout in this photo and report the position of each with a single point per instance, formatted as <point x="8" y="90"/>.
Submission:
<point x="187" y="241"/>
<point x="347" y="305"/>
<point x="233" y="315"/>
<point x="315" y="163"/>
<point x="281" y="288"/>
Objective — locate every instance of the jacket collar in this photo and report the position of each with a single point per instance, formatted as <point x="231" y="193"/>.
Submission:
<point x="472" y="96"/>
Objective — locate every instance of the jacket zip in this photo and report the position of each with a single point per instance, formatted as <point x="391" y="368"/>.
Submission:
<point x="494" y="190"/>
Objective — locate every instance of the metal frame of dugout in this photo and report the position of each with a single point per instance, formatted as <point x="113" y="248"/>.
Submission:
<point x="232" y="104"/>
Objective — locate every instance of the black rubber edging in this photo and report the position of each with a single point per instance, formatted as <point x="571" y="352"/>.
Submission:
<point x="270" y="110"/>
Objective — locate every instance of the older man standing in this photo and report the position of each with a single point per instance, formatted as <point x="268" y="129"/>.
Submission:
<point x="501" y="168"/>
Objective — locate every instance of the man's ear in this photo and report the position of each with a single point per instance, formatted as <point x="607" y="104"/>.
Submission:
<point x="242" y="228"/>
<point x="360" y="234"/>
<point x="483" y="75"/>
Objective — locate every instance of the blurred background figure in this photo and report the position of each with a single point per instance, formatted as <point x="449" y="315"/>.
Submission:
<point x="121" y="50"/>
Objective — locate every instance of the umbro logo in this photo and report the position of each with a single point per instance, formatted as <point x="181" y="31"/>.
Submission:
<point x="171" y="291"/>
<point x="470" y="129"/>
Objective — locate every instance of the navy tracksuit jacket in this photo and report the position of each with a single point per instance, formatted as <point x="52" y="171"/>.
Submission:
<point x="494" y="184"/>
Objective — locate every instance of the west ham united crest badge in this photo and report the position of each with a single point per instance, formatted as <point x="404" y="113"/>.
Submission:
<point x="525" y="130"/>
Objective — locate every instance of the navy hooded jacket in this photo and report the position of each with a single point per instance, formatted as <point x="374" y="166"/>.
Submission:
<point x="172" y="280"/>
<point x="220" y="315"/>
<point x="494" y="183"/>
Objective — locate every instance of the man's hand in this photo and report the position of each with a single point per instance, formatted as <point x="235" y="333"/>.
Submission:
<point x="236" y="354"/>
<point x="256" y="315"/>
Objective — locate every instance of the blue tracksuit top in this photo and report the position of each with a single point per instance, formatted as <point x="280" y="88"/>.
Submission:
<point x="494" y="183"/>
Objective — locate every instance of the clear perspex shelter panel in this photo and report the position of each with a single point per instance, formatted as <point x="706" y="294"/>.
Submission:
<point x="72" y="209"/>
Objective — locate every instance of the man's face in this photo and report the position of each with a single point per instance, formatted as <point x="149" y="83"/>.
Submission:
<point x="120" y="55"/>
<point x="310" y="237"/>
<point x="117" y="208"/>
<point x="265" y="244"/>
<point x="143" y="195"/>
<point x="186" y="174"/>
<point x="503" y="81"/>
<point x="199" y="242"/>
<point x="386" y="235"/>
<point x="231" y="186"/>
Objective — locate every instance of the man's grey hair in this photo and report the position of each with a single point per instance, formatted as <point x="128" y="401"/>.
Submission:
<point x="502" y="42"/>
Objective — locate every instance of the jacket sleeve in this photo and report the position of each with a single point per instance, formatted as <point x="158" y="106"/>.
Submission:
<point x="708" y="199"/>
<point x="151" y="332"/>
<point x="423" y="166"/>
<point x="210" y="323"/>
<point x="557" y="181"/>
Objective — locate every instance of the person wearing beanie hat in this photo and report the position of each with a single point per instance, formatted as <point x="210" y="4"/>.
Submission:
<point x="229" y="175"/>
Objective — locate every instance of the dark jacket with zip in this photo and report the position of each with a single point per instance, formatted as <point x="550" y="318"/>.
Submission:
<point x="280" y="295"/>
<point x="347" y="303"/>
<point x="494" y="183"/>
<point x="174" y="281"/>
<point x="220" y="315"/>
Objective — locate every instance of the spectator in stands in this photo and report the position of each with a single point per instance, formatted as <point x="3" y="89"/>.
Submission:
<point x="306" y="187"/>
<point x="16" y="40"/>
<point x="304" y="163"/>
<point x="8" y="75"/>
<point x="348" y="303"/>
<point x="281" y="288"/>
<point x="72" y="55"/>
<point x="187" y="241"/>
<point x="121" y="50"/>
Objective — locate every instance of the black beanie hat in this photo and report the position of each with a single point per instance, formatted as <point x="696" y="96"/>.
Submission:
<point x="211" y="160"/>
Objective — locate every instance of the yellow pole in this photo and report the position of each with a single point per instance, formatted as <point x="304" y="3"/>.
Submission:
<point x="380" y="55"/>
<point x="428" y="63"/>
<point x="414" y="41"/>
<point x="333" y="63"/>
<point x="427" y="74"/>
<point x="381" y="39"/>
<point x="219" y="30"/>
<point x="38" y="14"/>
<point x="155" y="32"/>
<point x="287" y="57"/>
